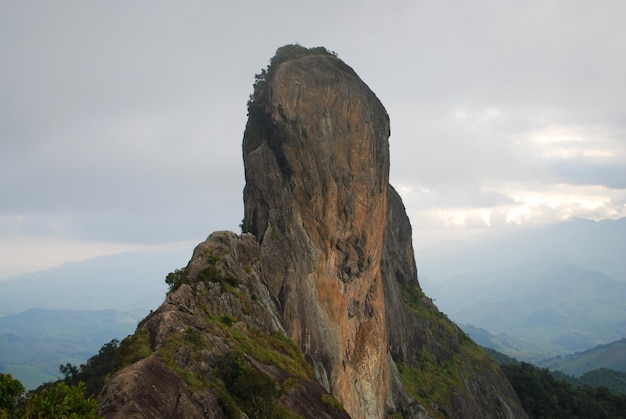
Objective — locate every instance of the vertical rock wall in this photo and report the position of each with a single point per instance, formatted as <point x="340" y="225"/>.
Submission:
<point x="315" y="198"/>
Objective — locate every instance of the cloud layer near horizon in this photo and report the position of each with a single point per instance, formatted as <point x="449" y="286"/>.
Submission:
<point x="121" y="123"/>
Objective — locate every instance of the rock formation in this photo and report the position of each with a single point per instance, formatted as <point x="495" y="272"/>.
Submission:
<point x="315" y="198"/>
<point x="326" y="262"/>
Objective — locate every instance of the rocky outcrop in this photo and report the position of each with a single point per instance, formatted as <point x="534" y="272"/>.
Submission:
<point x="317" y="307"/>
<point x="215" y="348"/>
<point x="315" y="198"/>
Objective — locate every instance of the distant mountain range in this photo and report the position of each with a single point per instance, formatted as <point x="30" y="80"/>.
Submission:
<point x="509" y="345"/>
<point x="35" y="342"/>
<point x="126" y="281"/>
<point x="533" y="295"/>
<point x="612" y="355"/>
<point x="544" y="292"/>
<point x="613" y="379"/>
<point x="65" y="314"/>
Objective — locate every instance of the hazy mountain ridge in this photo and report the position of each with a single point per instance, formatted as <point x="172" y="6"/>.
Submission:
<point x="595" y="245"/>
<point x="124" y="281"/>
<point x="35" y="342"/>
<point x="508" y="345"/>
<point x="560" y="287"/>
<point x="610" y="356"/>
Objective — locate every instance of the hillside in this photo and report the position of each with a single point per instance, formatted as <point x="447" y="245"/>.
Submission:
<point x="510" y="345"/>
<point x="612" y="356"/>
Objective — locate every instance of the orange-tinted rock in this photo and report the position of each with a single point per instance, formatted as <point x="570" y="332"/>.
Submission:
<point x="315" y="198"/>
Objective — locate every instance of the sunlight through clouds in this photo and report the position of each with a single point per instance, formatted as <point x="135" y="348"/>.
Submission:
<point x="560" y="201"/>
<point x="477" y="117"/>
<point x="528" y="205"/>
<point x="571" y="143"/>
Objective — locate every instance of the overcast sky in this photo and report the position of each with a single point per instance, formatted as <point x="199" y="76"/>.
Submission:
<point x="121" y="122"/>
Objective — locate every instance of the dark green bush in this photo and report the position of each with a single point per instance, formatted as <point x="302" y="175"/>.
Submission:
<point x="543" y="396"/>
<point x="212" y="273"/>
<point x="134" y="348"/>
<point x="95" y="370"/>
<point x="252" y="390"/>
<point x="177" y="278"/>
<point x="10" y="390"/>
<point x="59" y="401"/>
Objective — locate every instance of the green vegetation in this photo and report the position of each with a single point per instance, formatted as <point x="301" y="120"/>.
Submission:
<point x="237" y="376"/>
<point x="57" y="400"/>
<point x="431" y="381"/>
<point x="331" y="402"/>
<point x="211" y="273"/>
<point x="71" y="397"/>
<point x="422" y="306"/>
<point x="273" y="348"/>
<point x="276" y="349"/>
<point x="283" y="54"/>
<point x="194" y="338"/>
<point x="177" y="278"/>
<point x="240" y="386"/>
<point x="614" y="380"/>
<point x="543" y="396"/>
<point x="253" y="391"/>
<point x="259" y="125"/>
<point x="134" y="348"/>
<point x="499" y="357"/>
<point x="189" y="338"/>
<point x="95" y="370"/>
<point x="611" y="355"/>
<point x="436" y="379"/>
<point x="10" y="390"/>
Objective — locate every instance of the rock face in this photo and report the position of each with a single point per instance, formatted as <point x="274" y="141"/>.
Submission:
<point x="336" y="244"/>
<point x="319" y="300"/>
<point x="215" y="348"/>
<point x="315" y="198"/>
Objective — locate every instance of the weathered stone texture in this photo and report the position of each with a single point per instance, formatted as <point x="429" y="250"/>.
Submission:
<point x="315" y="197"/>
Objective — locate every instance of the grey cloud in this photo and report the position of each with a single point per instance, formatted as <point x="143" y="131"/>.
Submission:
<point x="468" y="196"/>
<point x="581" y="172"/>
<point x="123" y="121"/>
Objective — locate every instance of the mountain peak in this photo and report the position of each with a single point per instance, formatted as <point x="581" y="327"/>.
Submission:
<point x="317" y="170"/>
<point x="316" y="308"/>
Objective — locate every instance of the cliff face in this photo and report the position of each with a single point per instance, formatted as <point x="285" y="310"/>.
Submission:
<point x="328" y="265"/>
<point x="215" y="348"/>
<point x="315" y="198"/>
